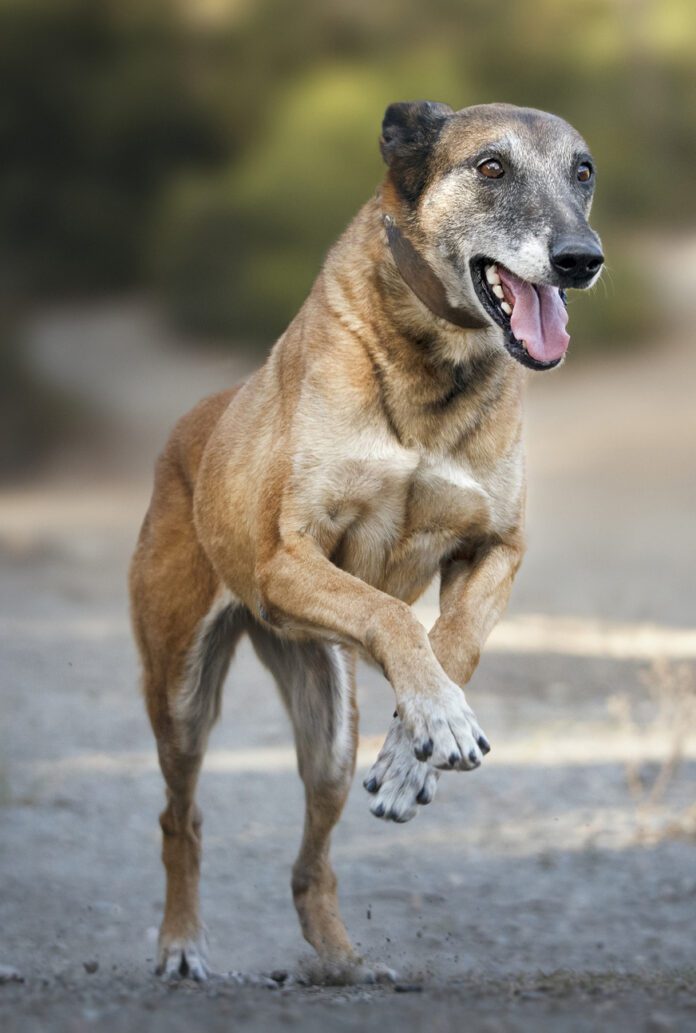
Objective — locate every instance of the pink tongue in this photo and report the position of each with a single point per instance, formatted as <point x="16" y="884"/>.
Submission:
<point x="538" y="318"/>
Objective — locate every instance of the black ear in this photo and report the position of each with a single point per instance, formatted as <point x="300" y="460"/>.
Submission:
<point x="409" y="132"/>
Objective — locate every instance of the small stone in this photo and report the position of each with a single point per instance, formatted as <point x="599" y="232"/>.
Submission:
<point x="90" y="967"/>
<point x="8" y="974"/>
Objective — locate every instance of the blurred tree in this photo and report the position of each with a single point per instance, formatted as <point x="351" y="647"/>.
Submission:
<point x="99" y="107"/>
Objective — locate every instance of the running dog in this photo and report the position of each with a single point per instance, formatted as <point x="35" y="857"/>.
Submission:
<point x="377" y="447"/>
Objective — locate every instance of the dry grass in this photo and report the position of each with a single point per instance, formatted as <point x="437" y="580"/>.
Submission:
<point x="671" y="705"/>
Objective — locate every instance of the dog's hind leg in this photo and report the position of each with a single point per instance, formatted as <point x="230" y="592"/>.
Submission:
<point x="186" y="630"/>
<point x="316" y="680"/>
<point x="182" y="735"/>
<point x="183" y="702"/>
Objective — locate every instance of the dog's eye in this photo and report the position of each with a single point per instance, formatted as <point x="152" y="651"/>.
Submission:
<point x="584" y="172"/>
<point x="491" y="169"/>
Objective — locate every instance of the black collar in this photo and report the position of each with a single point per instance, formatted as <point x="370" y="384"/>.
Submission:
<point x="420" y="278"/>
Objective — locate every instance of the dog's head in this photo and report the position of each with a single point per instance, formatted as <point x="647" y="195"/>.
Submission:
<point x="488" y="210"/>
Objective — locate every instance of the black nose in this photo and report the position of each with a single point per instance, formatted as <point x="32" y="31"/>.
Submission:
<point x="576" y="260"/>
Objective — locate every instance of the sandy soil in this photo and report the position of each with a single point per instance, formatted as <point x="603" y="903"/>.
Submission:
<point x="538" y="893"/>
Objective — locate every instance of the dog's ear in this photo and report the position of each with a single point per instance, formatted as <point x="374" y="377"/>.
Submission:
<point x="409" y="132"/>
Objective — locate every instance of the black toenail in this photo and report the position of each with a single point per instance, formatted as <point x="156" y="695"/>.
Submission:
<point x="379" y="811"/>
<point x="395" y="714"/>
<point x="454" y="759"/>
<point x="371" y="785"/>
<point x="425" y="750"/>
<point x="473" y="758"/>
<point x="423" y="796"/>
<point x="484" y="745"/>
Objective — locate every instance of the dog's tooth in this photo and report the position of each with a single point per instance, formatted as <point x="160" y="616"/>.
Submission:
<point x="506" y="308"/>
<point x="498" y="291"/>
<point x="492" y="275"/>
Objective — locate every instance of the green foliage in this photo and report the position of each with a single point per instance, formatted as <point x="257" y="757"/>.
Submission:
<point x="237" y="255"/>
<point x="97" y="112"/>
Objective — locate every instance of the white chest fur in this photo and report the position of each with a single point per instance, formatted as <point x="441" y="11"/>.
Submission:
<point x="390" y="515"/>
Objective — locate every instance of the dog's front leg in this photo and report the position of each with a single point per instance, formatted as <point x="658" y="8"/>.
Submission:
<point x="298" y="583"/>
<point x="473" y="594"/>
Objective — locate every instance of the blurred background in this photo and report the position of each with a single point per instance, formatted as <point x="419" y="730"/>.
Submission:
<point x="200" y="155"/>
<point x="172" y="174"/>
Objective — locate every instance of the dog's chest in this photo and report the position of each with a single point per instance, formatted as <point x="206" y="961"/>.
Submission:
<point x="391" y="515"/>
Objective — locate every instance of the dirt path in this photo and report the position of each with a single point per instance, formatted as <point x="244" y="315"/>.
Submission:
<point x="534" y="894"/>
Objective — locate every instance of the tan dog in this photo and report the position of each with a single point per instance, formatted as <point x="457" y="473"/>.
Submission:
<point x="378" y="446"/>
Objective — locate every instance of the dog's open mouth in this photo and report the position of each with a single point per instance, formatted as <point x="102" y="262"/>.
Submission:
<point x="532" y="316"/>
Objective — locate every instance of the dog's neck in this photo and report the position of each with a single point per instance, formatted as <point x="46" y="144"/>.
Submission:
<point x="423" y="281"/>
<point x="441" y="381"/>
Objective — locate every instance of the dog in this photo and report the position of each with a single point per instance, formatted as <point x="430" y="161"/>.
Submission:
<point x="377" y="447"/>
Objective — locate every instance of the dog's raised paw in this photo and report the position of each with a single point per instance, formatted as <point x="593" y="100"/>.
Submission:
<point x="399" y="782"/>
<point x="183" y="959"/>
<point x="443" y="730"/>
